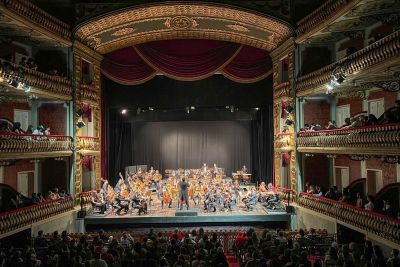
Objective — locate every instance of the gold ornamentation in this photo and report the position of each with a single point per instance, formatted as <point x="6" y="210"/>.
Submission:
<point x="237" y="27"/>
<point x="93" y="41"/>
<point x="180" y="23"/>
<point x="123" y="31"/>
<point x="183" y="18"/>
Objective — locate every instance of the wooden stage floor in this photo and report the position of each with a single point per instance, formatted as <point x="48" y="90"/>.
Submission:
<point x="166" y="217"/>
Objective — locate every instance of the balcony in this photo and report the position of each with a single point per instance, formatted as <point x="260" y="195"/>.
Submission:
<point x="88" y="145"/>
<point x="385" y="49"/>
<point x="370" y="140"/>
<point x="321" y="15"/>
<point x="368" y="221"/>
<point x="89" y="94"/>
<point x="37" y="17"/>
<point x="284" y="142"/>
<point x="21" y="218"/>
<point x="41" y="84"/>
<point x="20" y="146"/>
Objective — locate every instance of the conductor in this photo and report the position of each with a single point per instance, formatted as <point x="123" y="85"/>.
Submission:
<point x="183" y="193"/>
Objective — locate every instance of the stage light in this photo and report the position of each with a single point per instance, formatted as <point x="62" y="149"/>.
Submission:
<point x="151" y="109"/>
<point x="80" y="124"/>
<point x="257" y="108"/>
<point x="340" y="79"/>
<point x="24" y="87"/>
<point x="227" y="107"/>
<point x="289" y="122"/>
<point x="232" y="108"/>
<point x="192" y="107"/>
<point x="329" y="87"/>
<point x="124" y="111"/>
<point x="187" y="110"/>
<point x="79" y="112"/>
<point x="138" y="111"/>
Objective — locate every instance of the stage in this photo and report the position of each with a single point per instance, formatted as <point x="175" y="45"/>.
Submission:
<point x="168" y="217"/>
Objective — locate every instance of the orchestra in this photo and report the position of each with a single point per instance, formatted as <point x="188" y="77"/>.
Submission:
<point x="205" y="187"/>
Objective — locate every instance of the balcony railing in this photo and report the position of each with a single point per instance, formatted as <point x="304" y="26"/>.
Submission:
<point x="11" y="143"/>
<point x="381" y="50"/>
<point x="282" y="89"/>
<point x="320" y="15"/>
<point x="15" y="219"/>
<point x="89" y="92"/>
<point x="85" y="198"/>
<point x="38" y="16"/>
<point x="369" y="221"/>
<point x="284" y="141"/>
<point x="88" y="143"/>
<point x="45" y="82"/>
<point x="384" y="138"/>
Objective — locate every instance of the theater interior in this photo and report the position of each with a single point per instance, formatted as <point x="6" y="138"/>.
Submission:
<point x="200" y="133"/>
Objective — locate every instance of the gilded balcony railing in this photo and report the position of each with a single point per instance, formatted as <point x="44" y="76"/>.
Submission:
<point x="48" y="83"/>
<point x="284" y="141"/>
<point x="30" y="143"/>
<point x="384" y="137"/>
<point x="88" y="143"/>
<point x="85" y="198"/>
<point x="381" y="50"/>
<point x="88" y="92"/>
<point x="38" y="16"/>
<point x="15" y="219"/>
<point x="320" y="15"/>
<point x="369" y="221"/>
<point x="282" y="89"/>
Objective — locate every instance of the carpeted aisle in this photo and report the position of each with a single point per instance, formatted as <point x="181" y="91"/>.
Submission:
<point x="232" y="260"/>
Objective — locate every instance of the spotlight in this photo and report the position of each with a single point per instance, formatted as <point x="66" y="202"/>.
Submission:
<point x="232" y="108"/>
<point x="289" y="122"/>
<point x="138" y="111"/>
<point x="187" y="110"/>
<point x="26" y="88"/>
<point x="227" y="107"/>
<point x="13" y="82"/>
<point x="257" y="108"/>
<point x="192" y="107"/>
<point x="289" y="109"/>
<point x="79" y="112"/>
<point x="340" y="79"/>
<point x="124" y="111"/>
<point x="80" y="124"/>
<point x="329" y="87"/>
<point x="151" y="109"/>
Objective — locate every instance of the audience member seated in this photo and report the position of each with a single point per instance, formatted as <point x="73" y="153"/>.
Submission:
<point x="331" y="125"/>
<point x="17" y="128"/>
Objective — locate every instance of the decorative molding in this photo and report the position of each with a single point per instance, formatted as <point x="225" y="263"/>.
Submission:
<point x="163" y="21"/>
<point x="237" y="27"/>
<point x="181" y="23"/>
<point x="123" y="31"/>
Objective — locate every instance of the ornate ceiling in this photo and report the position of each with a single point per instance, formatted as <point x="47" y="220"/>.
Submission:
<point x="165" y="21"/>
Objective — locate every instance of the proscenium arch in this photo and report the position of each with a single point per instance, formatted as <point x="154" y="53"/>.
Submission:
<point x="182" y="20"/>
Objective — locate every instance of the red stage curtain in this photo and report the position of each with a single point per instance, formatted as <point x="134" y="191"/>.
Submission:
<point x="125" y="66"/>
<point x="250" y="64"/>
<point x="186" y="60"/>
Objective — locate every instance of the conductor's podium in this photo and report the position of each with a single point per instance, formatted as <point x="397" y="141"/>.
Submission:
<point x="185" y="212"/>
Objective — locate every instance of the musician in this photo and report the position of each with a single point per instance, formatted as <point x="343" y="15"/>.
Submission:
<point x="97" y="200"/>
<point x="123" y="200"/>
<point x="214" y="171"/>
<point x="167" y="197"/>
<point x="204" y="169"/>
<point x="244" y="169"/>
<point x="143" y="207"/>
<point x="183" y="193"/>
<point x="119" y="184"/>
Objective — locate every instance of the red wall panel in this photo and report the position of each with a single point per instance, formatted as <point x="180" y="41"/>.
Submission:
<point x="53" y="116"/>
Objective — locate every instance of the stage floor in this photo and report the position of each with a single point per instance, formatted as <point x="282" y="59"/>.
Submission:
<point x="166" y="217"/>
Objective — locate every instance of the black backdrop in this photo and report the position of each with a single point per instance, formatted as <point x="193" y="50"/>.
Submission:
<point x="170" y="138"/>
<point x="187" y="144"/>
